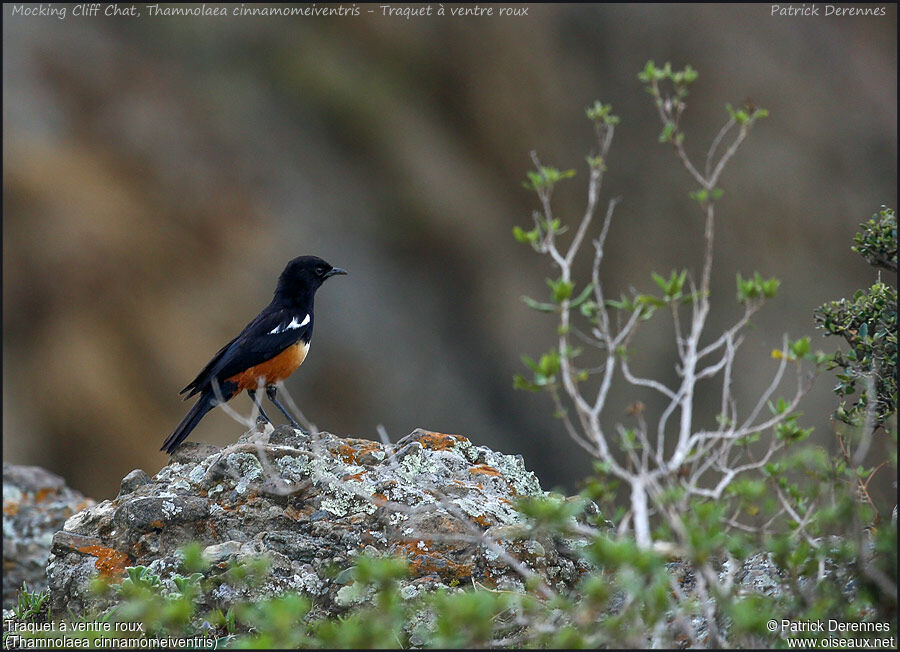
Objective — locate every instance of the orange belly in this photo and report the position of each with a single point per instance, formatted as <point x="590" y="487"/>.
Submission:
<point x="273" y="370"/>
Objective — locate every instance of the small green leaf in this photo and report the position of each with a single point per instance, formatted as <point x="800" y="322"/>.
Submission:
<point x="560" y="289"/>
<point x="549" y="364"/>
<point x="649" y="72"/>
<point x="800" y="348"/>
<point x="659" y="280"/>
<point x="522" y="235"/>
<point x="649" y="300"/>
<point x="623" y="304"/>
<point x="699" y="196"/>
<point x="545" y="177"/>
<point x="519" y="382"/>
<point x="601" y="114"/>
<point x="668" y="133"/>
<point x="537" y="305"/>
<point x="582" y="297"/>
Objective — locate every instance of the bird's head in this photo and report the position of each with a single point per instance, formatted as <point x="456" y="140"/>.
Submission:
<point x="303" y="276"/>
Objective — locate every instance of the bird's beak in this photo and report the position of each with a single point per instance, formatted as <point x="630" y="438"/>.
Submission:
<point x="335" y="271"/>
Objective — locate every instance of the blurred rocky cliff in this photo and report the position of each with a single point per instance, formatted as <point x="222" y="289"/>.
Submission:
<point x="159" y="172"/>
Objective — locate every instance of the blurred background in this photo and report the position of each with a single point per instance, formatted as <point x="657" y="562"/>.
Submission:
<point x="159" y="172"/>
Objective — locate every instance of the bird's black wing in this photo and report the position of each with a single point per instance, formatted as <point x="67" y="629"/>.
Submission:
<point x="270" y="333"/>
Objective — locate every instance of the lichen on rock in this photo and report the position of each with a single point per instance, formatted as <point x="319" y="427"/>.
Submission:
<point x="36" y="503"/>
<point x="310" y="505"/>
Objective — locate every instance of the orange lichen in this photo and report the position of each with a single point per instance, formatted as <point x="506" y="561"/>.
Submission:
<point x="10" y="508"/>
<point x="347" y="453"/>
<point x="488" y="580"/>
<point x="366" y="446"/>
<point x="293" y="513"/>
<point x="379" y="499"/>
<point x="484" y="469"/>
<point x="41" y="494"/>
<point x="438" y="441"/>
<point x="426" y="561"/>
<point x="483" y="520"/>
<point x="357" y="448"/>
<point x="356" y="476"/>
<point x="111" y="563"/>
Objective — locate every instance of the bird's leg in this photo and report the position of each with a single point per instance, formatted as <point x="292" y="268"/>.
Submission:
<point x="252" y="393"/>
<point x="271" y="393"/>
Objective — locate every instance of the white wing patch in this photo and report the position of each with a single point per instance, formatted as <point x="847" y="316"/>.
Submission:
<point x="287" y="327"/>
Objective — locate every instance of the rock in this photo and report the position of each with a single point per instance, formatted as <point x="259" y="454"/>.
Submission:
<point x="36" y="503"/>
<point x="134" y="480"/>
<point x="310" y="504"/>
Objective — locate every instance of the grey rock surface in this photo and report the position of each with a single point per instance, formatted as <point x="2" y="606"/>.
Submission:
<point x="311" y="504"/>
<point x="36" y="503"/>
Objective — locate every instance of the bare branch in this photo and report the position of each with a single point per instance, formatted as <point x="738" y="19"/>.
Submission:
<point x="749" y="309"/>
<point x="730" y="152"/>
<point x="549" y="241"/>
<point x="663" y="420"/>
<point x="776" y="381"/>
<point x="230" y="411"/>
<point x="596" y="180"/>
<point x="727" y="401"/>
<point x="569" y="426"/>
<point x="645" y="382"/>
<point x="682" y="154"/>
<point x="627" y="447"/>
<point x="801" y="522"/>
<point x="306" y="423"/>
<point x="869" y="426"/>
<point x="679" y="338"/>
<point x="667" y="117"/>
<point x="715" y="144"/>
<point x="712" y="369"/>
<point x="730" y="474"/>
<point x="748" y="428"/>
<point x="607" y="220"/>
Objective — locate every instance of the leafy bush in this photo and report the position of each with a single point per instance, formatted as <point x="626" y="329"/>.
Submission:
<point x="669" y="463"/>
<point x="868" y="323"/>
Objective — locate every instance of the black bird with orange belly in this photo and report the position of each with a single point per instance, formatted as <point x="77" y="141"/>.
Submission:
<point x="268" y="350"/>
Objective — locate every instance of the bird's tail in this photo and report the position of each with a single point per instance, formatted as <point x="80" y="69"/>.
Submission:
<point x="204" y="404"/>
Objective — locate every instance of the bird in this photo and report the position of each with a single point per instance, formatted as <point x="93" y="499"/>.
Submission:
<point x="269" y="349"/>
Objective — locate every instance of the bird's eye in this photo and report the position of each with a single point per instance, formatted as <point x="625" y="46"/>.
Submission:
<point x="320" y="270"/>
